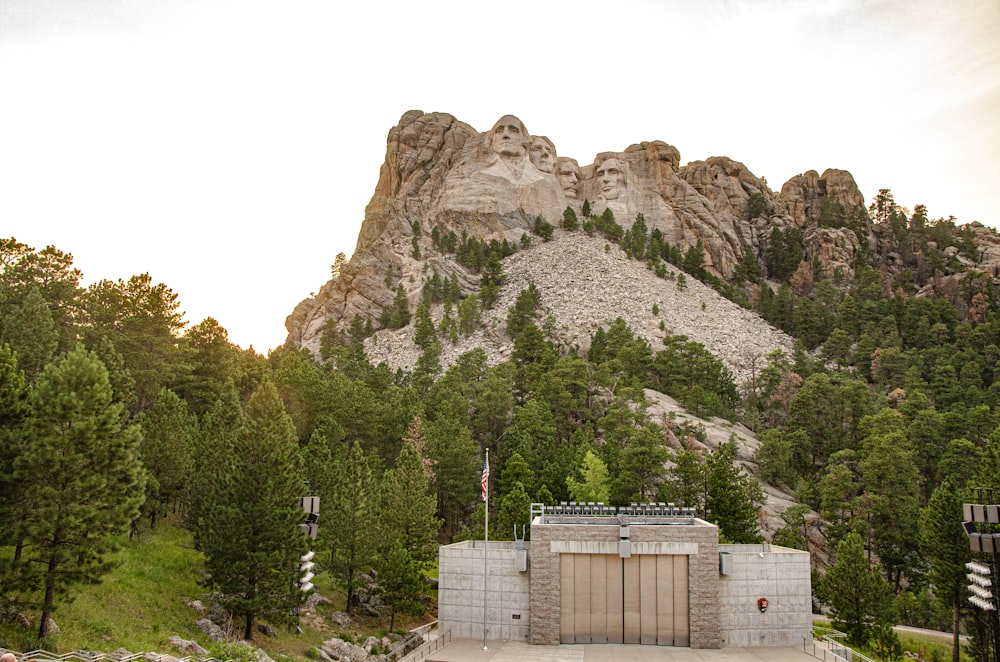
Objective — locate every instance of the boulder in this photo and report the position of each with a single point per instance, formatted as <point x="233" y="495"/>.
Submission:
<point x="343" y="619"/>
<point x="314" y="600"/>
<point x="187" y="647"/>
<point x="260" y="656"/>
<point x="211" y="630"/>
<point x="342" y="651"/>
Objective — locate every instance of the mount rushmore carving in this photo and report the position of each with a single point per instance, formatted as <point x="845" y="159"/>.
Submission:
<point x="441" y="173"/>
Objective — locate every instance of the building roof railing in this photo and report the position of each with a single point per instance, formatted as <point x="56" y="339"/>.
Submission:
<point x="634" y="512"/>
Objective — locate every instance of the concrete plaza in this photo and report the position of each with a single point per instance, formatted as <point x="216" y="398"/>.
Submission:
<point x="467" y="650"/>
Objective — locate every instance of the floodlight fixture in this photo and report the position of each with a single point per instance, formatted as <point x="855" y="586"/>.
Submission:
<point x="977" y="567"/>
<point x="980" y="592"/>
<point x="979" y="580"/>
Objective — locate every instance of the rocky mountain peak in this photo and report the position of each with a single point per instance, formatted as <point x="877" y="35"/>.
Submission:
<point x="441" y="174"/>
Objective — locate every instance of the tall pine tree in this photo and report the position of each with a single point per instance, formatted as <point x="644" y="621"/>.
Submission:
<point x="80" y="477"/>
<point x="13" y="437"/>
<point x="253" y="538"/>
<point x="349" y="520"/>
<point x="859" y="597"/>
<point x="945" y="546"/>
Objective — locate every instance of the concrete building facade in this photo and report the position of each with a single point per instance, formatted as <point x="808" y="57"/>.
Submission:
<point x="639" y="576"/>
<point x="779" y="575"/>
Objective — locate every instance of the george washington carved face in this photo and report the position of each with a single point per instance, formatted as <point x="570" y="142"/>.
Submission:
<point x="509" y="137"/>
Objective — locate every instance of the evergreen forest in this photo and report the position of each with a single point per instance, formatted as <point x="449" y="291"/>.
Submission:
<point x="118" y="417"/>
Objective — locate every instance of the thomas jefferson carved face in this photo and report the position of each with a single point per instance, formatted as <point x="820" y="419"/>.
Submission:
<point x="509" y="137"/>
<point x="543" y="154"/>
<point x="611" y="176"/>
<point x="569" y="174"/>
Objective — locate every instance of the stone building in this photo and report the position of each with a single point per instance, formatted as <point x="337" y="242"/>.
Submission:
<point x="644" y="574"/>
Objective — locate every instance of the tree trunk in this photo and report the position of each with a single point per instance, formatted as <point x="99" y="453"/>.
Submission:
<point x="50" y="597"/>
<point x="350" y="590"/>
<point x="955" y="626"/>
<point x="248" y="632"/>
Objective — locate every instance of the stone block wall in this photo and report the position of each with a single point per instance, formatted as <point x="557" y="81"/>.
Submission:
<point x="699" y="541"/>
<point x="779" y="574"/>
<point x="460" y="592"/>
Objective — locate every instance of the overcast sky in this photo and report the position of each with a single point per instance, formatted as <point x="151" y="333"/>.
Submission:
<point x="229" y="147"/>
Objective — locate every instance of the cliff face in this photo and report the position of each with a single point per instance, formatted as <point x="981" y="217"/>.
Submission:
<point x="441" y="174"/>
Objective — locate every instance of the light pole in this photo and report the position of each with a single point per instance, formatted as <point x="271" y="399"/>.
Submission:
<point x="982" y="524"/>
<point x="310" y="506"/>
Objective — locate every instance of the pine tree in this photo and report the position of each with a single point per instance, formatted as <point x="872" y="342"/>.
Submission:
<point x="253" y="539"/>
<point x="569" y="220"/>
<point x="31" y="332"/>
<point x="350" y="517"/>
<point x="859" y="597"/>
<point x="80" y="477"/>
<point x="514" y="514"/>
<point x="423" y="328"/>
<point x="142" y="321"/>
<point x="892" y="483"/>
<point x="733" y="496"/>
<point x="51" y="272"/>
<point x="212" y="448"/>
<point x="945" y="546"/>
<point x="469" y="316"/>
<point x="400" y="581"/>
<point x="640" y="466"/>
<point x="686" y="485"/>
<point x="166" y="453"/>
<point x="396" y="315"/>
<point x="210" y="360"/>
<point x="13" y="438"/>
<point x="455" y="465"/>
<point x="515" y="470"/>
<point x="694" y="261"/>
<point x="407" y="508"/>
<point x="595" y="484"/>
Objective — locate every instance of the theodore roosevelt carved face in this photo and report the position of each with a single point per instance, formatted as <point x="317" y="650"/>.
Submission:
<point x="542" y="154"/>
<point x="569" y="174"/>
<point x="611" y="177"/>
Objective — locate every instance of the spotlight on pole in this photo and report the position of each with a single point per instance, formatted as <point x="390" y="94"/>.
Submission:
<point x="306" y="567"/>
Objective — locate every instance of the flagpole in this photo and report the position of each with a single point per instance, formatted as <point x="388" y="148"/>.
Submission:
<point x="486" y="537"/>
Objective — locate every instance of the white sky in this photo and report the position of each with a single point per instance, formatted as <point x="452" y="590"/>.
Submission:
<point x="229" y="147"/>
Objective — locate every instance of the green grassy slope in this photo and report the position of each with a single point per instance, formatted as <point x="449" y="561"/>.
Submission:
<point x="144" y="601"/>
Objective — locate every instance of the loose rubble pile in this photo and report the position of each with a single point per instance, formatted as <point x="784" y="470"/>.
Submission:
<point x="587" y="283"/>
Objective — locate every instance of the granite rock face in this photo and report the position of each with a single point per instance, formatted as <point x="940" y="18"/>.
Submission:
<point x="440" y="173"/>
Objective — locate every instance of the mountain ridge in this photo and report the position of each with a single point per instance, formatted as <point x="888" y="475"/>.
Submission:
<point x="440" y="172"/>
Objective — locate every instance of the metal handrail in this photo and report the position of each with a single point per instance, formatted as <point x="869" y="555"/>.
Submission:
<point x="832" y="646"/>
<point x="431" y="646"/>
<point x="89" y="656"/>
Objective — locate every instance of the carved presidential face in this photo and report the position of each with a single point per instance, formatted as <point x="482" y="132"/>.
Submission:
<point x="509" y="136"/>
<point x="543" y="154"/>
<point x="569" y="174"/>
<point x="611" y="177"/>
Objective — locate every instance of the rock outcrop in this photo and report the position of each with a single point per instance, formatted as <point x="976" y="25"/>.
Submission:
<point x="443" y="176"/>
<point x="440" y="173"/>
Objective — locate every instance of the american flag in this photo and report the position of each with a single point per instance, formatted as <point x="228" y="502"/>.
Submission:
<point x="486" y="476"/>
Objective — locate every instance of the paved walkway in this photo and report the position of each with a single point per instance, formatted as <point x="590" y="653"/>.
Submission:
<point x="467" y="650"/>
